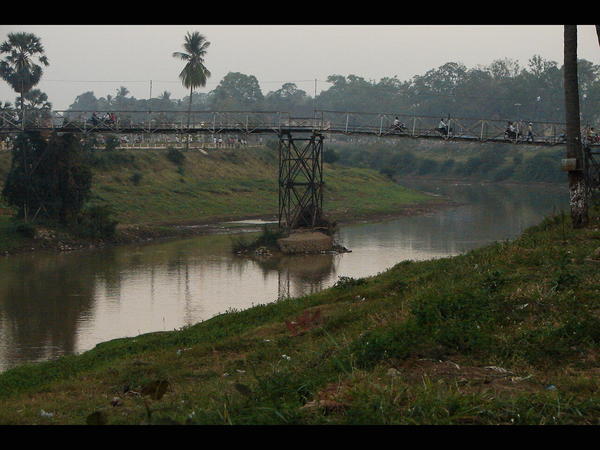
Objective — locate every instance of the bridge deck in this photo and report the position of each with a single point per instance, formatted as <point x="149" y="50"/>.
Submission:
<point x="265" y="122"/>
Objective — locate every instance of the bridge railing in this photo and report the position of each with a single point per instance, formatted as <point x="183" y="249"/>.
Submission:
<point x="150" y="121"/>
<point x="383" y="124"/>
<point x="348" y="122"/>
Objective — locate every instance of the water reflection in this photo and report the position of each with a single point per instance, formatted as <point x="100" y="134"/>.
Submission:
<point x="55" y="304"/>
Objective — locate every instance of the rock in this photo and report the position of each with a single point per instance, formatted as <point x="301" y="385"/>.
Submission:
<point x="393" y="373"/>
<point x="305" y="242"/>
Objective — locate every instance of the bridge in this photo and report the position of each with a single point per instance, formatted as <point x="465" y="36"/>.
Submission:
<point x="300" y="139"/>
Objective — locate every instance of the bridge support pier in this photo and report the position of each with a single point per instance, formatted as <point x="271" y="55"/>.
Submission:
<point x="300" y="181"/>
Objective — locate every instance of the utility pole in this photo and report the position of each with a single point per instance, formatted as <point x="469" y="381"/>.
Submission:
<point x="315" y="101"/>
<point x="574" y="161"/>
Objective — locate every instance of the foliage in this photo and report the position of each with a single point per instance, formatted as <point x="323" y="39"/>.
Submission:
<point x="492" y="163"/>
<point x="194" y="74"/>
<point x="18" y="68"/>
<point x="25" y="229"/>
<point x="175" y="156"/>
<point x="237" y="91"/>
<point x="136" y="178"/>
<point x="95" y="222"/>
<point x="267" y="238"/>
<point x="330" y="156"/>
<point x="452" y="89"/>
<point x="48" y="177"/>
<point x="112" y="143"/>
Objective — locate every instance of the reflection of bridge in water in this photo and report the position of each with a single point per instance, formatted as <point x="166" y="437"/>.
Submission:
<point x="301" y="158"/>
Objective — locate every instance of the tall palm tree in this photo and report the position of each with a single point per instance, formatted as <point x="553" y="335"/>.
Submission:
<point x="19" y="67"/>
<point x="194" y="74"/>
<point x="577" y="189"/>
<point x="36" y="99"/>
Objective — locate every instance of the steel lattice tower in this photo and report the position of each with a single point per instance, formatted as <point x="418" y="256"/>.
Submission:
<point x="300" y="181"/>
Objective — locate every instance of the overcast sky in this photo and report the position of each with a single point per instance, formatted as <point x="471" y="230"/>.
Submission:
<point x="101" y="58"/>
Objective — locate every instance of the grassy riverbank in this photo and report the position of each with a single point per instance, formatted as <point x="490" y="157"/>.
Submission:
<point x="150" y="194"/>
<point x="505" y="334"/>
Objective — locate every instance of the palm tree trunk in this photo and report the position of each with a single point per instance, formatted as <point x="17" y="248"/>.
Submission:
<point x="577" y="191"/>
<point x="187" y="141"/>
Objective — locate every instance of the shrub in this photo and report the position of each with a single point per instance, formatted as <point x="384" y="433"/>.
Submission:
<point x="25" y="229"/>
<point x="136" y="178"/>
<point x="388" y="172"/>
<point x="268" y="238"/>
<point x="95" y="222"/>
<point x="348" y="282"/>
<point x="112" y="143"/>
<point x="330" y="156"/>
<point x="175" y="156"/>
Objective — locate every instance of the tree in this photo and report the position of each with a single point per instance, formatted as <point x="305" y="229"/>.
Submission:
<point x="18" y="68"/>
<point x="289" y="98"/>
<point x="237" y="91"/>
<point x="85" y="102"/>
<point x="36" y="99"/>
<point x="578" y="200"/>
<point x="194" y="74"/>
<point x="49" y="176"/>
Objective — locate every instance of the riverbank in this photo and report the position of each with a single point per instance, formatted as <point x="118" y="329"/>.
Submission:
<point x="154" y="198"/>
<point x="505" y="334"/>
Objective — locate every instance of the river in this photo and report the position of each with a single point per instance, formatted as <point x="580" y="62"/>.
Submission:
<point x="55" y="304"/>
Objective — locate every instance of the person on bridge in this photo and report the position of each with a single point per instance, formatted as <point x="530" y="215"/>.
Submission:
<point x="511" y="131"/>
<point x="591" y="136"/>
<point x="398" y="125"/>
<point x="443" y="127"/>
<point x="530" y="132"/>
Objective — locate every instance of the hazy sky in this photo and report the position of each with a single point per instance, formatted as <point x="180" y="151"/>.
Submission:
<point x="101" y="58"/>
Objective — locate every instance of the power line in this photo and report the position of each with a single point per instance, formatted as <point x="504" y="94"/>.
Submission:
<point x="172" y="81"/>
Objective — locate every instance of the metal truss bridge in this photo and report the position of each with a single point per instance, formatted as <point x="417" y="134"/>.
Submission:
<point x="300" y="158"/>
<point x="272" y="122"/>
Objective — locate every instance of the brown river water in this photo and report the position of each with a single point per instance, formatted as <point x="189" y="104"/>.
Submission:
<point x="55" y="304"/>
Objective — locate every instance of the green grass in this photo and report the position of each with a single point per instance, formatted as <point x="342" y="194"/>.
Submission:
<point x="146" y="188"/>
<point x="226" y="185"/>
<point x="505" y="334"/>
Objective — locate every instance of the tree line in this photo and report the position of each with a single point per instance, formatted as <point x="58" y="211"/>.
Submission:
<point x="502" y="90"/>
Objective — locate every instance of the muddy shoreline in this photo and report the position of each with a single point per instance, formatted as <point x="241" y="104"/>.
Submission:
<point x="49" y="242"/>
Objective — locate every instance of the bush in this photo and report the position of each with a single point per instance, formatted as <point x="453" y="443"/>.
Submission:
<point x="136" y="178"/>
<point x="175" y="156"/>
<point x="60" y="183"/>
<point x="388" y="172"/>
<point x="503" y="174"/>
<point x="25" y="229"/>
<point x="268" y="238"/>
<point x="112" y="143"/>
<point x="95" y="222"/>
<point x="330" y="156"/>
<point x="349" y="282"/>
<point x="427" y="166"/>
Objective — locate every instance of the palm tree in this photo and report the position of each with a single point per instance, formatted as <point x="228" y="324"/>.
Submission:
<point x="18" y="68"/>
<point x="577" y="189"/>
<point x="36" y="99"/>
<point x="194" y="74"/>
